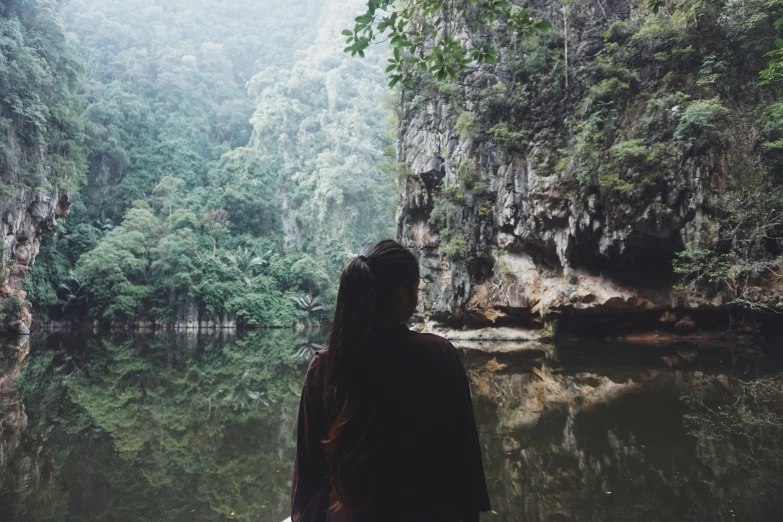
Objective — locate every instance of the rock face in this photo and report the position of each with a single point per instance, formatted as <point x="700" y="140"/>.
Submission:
<point x="564" y="180"/>
<point x="41" y="137"/>
<point x="25" y="219"/>
<point x="25" y="215"/>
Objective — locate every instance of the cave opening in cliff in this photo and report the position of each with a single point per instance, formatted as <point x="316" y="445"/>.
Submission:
<point x="644" y="262"/>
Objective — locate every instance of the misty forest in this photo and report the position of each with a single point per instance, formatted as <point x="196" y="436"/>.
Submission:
<point x="593" y="190"/>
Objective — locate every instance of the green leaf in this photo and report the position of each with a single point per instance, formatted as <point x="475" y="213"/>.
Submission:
<point x="655" y="5"/>
<point x="427" y="38"/>
<point x="543" y="25"/>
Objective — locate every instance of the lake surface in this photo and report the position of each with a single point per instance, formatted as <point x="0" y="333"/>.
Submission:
<point x="201" y="428"/>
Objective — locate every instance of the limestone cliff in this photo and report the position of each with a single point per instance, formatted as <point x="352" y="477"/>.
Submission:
<point x="564" y="180"/>
<point x="41" y="157"/>
<point x="25" y="219"/>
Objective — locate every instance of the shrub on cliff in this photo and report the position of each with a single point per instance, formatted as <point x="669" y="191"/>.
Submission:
<point x="702" y="121"/>
<point x="737" y="254"/>
<point x="10" y="310"/>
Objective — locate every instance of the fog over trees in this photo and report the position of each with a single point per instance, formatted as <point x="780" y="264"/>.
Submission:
<point x="234" y="161"/>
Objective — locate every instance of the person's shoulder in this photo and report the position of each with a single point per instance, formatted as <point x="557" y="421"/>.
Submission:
<point x="431" y="338"/>
<point x="319" y="357"/>
<point x="434" y="342"/>
<point x="316" y="367"/>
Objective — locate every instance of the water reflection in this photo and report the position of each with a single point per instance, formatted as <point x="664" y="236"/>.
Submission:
<point x="603" y="433"/>
<point x="198" y="428"/>
<point x="162" y="428"/>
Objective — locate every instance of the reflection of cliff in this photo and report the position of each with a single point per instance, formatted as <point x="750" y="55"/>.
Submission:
<point x="24" y="468"/>
<point x="602" y="443"/>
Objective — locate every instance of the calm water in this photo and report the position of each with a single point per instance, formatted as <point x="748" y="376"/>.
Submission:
<point x="201" y="428"/>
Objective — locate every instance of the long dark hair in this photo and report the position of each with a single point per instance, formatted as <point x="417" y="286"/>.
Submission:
<point x="352" y="391"/>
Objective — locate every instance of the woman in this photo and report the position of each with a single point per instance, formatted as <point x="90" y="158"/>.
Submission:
<point x="386" y="429"/>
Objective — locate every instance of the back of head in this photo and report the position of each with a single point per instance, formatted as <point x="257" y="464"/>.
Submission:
<point x="367" y="303"/>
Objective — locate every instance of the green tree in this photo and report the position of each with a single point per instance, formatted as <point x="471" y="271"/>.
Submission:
<point x="168" y="190"/>
<point x="216" y="224"/>
<point x="244" y="261"/>
<point x="117" y="270"/>
<point x="426" y="35"/>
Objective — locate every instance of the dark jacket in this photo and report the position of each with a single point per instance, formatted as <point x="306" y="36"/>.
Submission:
<point x="430" y="466"/>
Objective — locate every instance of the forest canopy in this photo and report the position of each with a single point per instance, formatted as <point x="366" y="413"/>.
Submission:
<point x="228" y="147"/>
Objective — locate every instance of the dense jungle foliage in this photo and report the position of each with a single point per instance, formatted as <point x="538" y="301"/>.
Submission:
<point x="41" y="130"/>
<point x="233" y="163"/>
<point x="235" y="155"/>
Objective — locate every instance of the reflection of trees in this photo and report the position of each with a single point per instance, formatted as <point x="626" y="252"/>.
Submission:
<point x="162" y="429"/>
<point x="311" y="341"/>
<point x="740" y="430"/>
<point x="195" y="428"/>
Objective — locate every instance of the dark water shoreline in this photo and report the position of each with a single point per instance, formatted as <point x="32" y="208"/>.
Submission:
<point x="201" y="427"/>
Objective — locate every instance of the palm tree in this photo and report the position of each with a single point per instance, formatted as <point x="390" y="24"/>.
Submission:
<point x="241" y="396"/>
<point x="75" y="294"/>
<point x="71" y="363"/>
<point x="309" y="305"/>
<point x="265" y="257"/>
<point x="308" y="349"/>
<point x="244" y="260"/>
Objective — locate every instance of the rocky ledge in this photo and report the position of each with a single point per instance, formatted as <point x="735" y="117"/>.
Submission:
<point x="25" y="218"/>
